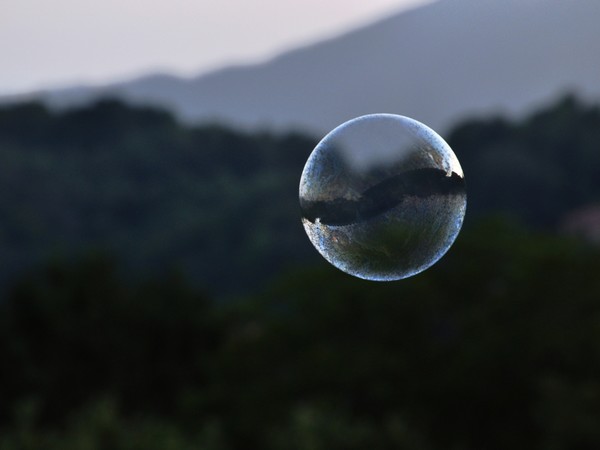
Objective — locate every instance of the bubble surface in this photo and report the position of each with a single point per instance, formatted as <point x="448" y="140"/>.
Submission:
<point x="382" y="197"/>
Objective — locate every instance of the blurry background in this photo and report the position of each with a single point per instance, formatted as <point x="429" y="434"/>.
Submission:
<point x="158" y="290"/>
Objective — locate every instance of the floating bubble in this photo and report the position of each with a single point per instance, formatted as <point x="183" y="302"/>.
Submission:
<point x="382" y="197"/>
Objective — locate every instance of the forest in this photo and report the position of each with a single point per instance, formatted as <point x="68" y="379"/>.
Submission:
<point x="159" y="292"/>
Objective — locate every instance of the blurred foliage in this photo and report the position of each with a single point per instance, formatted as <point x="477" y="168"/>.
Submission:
<point x="536" y="169"/>
<point x="495" y="347"/>
<point x="222" y="205"/>
<point x="157" y="194"/>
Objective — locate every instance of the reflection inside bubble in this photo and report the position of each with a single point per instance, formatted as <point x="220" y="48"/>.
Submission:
<point x="382" y="197"/>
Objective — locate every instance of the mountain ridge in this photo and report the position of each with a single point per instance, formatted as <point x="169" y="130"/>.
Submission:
<point x="438" y="63"/>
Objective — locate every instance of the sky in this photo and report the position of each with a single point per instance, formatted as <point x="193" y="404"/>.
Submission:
<point x="61" y="43"/>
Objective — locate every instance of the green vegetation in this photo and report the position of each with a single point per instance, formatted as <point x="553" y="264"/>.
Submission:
<point x="537" y="169"/>
<point x="496" y="347"/>
<point x="222" y="205"/>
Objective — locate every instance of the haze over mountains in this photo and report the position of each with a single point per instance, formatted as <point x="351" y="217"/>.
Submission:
<point x="439" y="64"/>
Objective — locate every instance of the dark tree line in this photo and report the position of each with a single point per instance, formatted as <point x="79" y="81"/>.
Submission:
<point x="133" y="182"/>
<point x="223" y="205"/>
<point x="537" y="169"/>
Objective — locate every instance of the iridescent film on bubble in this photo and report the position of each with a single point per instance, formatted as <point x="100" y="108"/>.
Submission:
<point x="382" y="197"/>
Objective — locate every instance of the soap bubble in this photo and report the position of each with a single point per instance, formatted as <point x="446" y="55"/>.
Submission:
<point x="382" y="197"/>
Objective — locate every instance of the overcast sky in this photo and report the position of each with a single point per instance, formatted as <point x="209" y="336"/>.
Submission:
<point x="64" y="42"/>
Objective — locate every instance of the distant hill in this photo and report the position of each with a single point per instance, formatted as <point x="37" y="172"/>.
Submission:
<point x="439" y="63"/>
